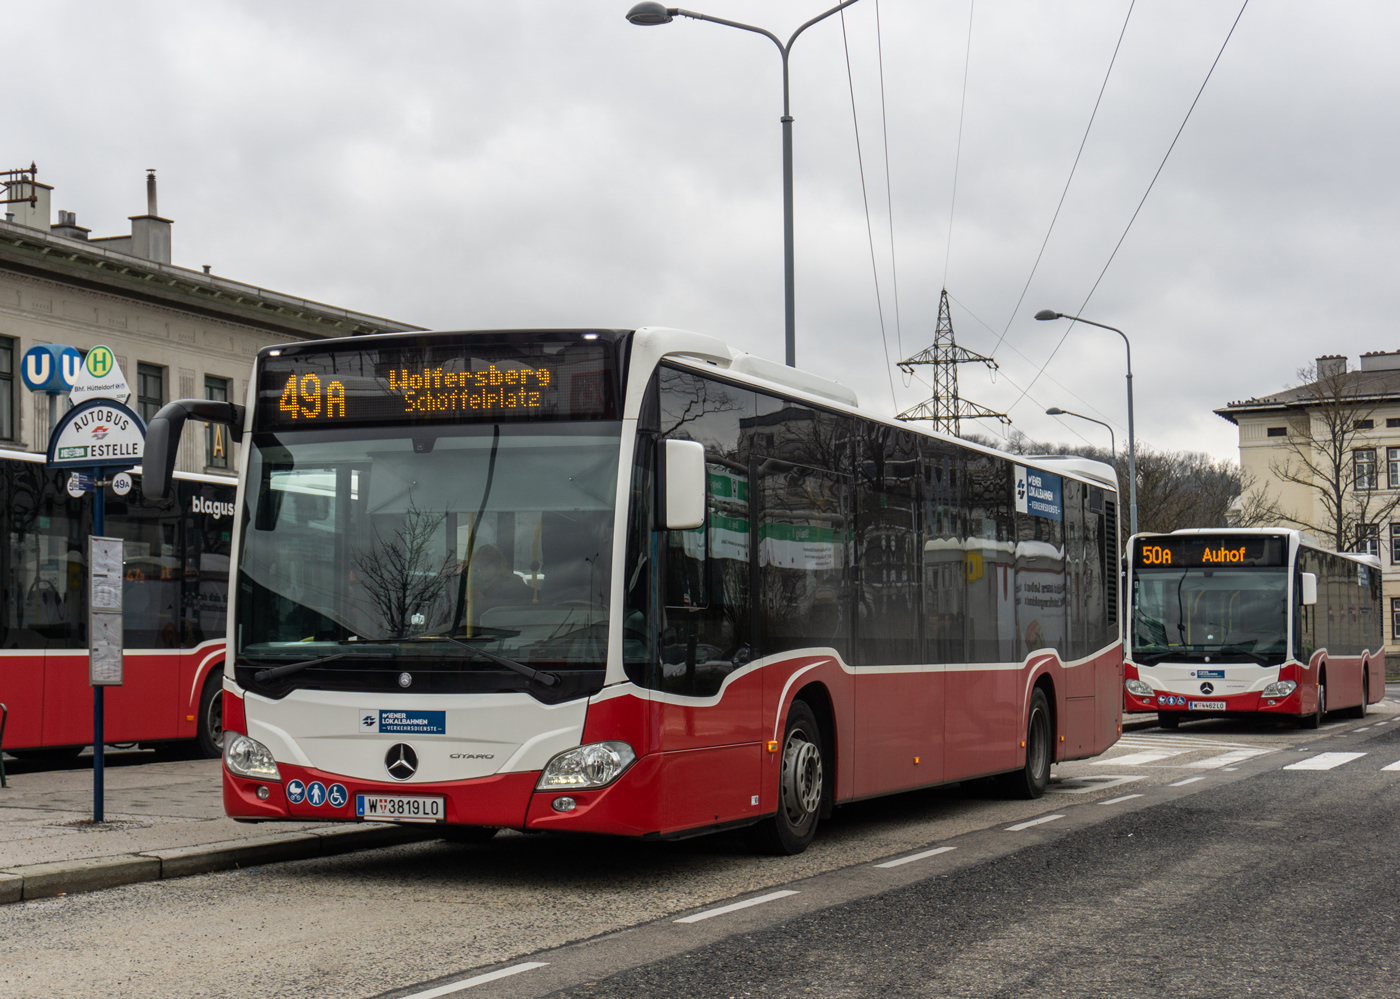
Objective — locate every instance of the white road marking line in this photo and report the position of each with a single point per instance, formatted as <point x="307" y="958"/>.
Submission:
<point x="1225" y="759"/>
<point x="1033" y="822"/>
<point x="1188" y="780"/>
<point x="1138" y="759"/>
<point x="1324" y="761"/>
<point x="1361" y="729"/>
<point x="490" y="976"/>
<point x="1083" y="785"/>
<point x="917" y="856"/>
<point x="1115" y="801"/>
<point x="734" y="907"/>
<point x="1393" y="766"/>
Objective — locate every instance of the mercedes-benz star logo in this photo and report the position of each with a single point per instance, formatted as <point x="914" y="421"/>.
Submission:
<point x="401" y="761"/>
<point x="1207" y="688"/>
<point x="405" y="679"/>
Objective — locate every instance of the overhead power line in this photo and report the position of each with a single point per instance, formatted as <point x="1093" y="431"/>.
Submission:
<point x="1074" y="166"/>
<point x="889" y="190"/>
<point x="865" y="199"/>
<point x="1160" y="166"/>
<point x="957" y="155"/>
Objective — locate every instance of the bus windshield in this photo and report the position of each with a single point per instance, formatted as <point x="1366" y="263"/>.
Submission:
<point x="497" y="535"/>
<point x="1236" y="614"/>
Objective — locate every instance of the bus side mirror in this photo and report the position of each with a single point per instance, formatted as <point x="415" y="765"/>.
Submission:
<point x="686" y="481"/>
<point x="163" y="439"/>
<point x="1309" y="587"/>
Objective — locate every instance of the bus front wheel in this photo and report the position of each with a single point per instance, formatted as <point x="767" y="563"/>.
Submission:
<point x="210" y="731"/>
<point x="1168" y="719"/>
<point x="1314" y="720"/>
<point x="801" y="788"/>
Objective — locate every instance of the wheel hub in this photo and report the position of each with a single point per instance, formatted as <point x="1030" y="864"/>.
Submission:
<point x="802" y="778"/>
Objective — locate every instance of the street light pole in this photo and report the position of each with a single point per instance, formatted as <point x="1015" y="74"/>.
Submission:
<point x="652" y="13"/>
<point x="1112" y="446"/>
<point x="1044" y="314"/>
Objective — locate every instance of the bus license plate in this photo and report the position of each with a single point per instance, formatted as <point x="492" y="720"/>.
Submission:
<point x="399" y="808"/>
<point x="1206" y="706"/>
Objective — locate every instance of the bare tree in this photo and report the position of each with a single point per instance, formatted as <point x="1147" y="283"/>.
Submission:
<point x="402" y="574"/>
<point x="1321" y="455"/>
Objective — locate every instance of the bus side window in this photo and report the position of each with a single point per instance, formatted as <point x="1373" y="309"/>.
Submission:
<point x="705" y="632"/>
<point x="886" y="546"/>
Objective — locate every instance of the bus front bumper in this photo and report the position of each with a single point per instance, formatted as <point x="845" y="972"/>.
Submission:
<point x="1249" y="702"/>
<point x="627" y="807"/>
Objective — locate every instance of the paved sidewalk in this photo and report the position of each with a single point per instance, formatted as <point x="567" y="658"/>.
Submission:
<point x="162" y="820"/>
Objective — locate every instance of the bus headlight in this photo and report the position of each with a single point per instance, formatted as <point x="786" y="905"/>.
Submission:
<point x="1279" y="688"/>
<point x="249" y="758"/>
<point x="1139" y="688"/>
<point x="595" y="765"/>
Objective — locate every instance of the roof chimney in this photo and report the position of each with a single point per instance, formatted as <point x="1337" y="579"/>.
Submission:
<point x="151" y="191"/>
<point x="1331" y="365"/>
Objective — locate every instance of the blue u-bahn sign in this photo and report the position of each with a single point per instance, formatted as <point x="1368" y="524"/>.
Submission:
<point x="50" y="368"/>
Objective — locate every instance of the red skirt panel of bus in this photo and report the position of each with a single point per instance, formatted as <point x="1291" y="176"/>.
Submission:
<point x="499" y="800"/>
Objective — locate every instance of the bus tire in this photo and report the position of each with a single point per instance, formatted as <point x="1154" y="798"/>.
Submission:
<point x="801" y="788"/>
<point x="1168" y="719"/>
<point x="209" y="733"/>
<point x="1314" y="720"/>
<point x="1033" y="778"/>
<point x="468" y="834"/>
<point x="1360" y="710"/>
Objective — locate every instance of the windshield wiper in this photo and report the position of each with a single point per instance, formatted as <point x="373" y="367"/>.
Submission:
<point x="529" y="672"/>
<point x="1148" y="658"/>
<point x="1240" y="650"/>
<point x="273" y="672"/>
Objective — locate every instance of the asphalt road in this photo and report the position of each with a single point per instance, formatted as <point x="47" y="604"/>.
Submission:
<point x="1183" y="863"/>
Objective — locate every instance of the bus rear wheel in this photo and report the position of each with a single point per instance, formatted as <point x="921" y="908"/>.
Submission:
<point x="1360" y="710"/>
<point x="801" y="788"/>
<point x="1033" y="778"/>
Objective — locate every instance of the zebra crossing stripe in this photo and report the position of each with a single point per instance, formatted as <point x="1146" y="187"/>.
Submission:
<point x="1393" y="766"/>
<point x="1324" y="761"/>
<point x="1226" y="759"/>
<point x="1138" y="759"/>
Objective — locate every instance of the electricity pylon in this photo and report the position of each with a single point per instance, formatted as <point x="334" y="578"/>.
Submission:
<point x="946" y="409"/>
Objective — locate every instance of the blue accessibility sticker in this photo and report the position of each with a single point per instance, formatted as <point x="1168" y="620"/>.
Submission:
<point x="1210" y="674"/>
<point x="337" y="795"/>
<point x="403" y="722"/>
<point x="296" y="790"/>
<point x="316" y="793"/>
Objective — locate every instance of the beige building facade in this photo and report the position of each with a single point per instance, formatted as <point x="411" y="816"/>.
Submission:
<point x="1271" y="429"/>
<point x="177" y="332"/>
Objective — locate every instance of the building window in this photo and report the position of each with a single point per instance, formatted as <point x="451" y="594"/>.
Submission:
<point x="1395" y="618"/>
<point x="1364" y="467"/>
<point x="1278" y="431"/>
<point x="150" y="390"/>
<point x="1392" y="421"/>
<point x="7" y="388"/>
<point x="216" y="440"/>
<point x="1392" y="467"/>
<point x="1369" y="539"/>
<point x="1365" y="424"/>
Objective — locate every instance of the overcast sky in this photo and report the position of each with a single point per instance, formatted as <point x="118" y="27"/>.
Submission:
<point x="497" y="164"/>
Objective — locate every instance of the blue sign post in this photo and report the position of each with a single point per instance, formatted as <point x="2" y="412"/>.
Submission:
<point x="100" y="436"/>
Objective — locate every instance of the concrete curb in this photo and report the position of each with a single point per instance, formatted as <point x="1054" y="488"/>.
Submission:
<point x="95" y="873"/>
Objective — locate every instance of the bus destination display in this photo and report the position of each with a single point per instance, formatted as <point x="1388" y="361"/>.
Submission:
<point x="438" y="384"/>
<point x="1204" y="551"/>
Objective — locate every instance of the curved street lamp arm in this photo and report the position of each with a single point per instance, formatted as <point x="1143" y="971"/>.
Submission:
<point x="819" y="17"/>
<point x="1105" y="326"/>
<point x="681" y="12"/>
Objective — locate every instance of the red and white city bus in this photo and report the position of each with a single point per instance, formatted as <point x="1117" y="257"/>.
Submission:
<point x="637" y="582"/>
<point x="1251" y="621"/>
<point x="174" y="595"/>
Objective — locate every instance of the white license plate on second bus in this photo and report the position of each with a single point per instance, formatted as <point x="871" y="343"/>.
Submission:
<point x="399" y="808"/>
<point x="1206" y="706"/>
